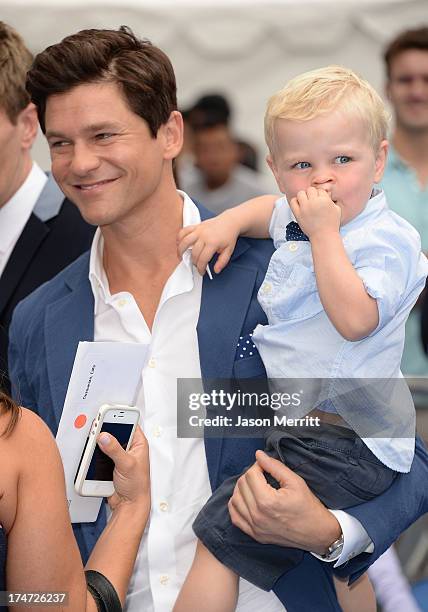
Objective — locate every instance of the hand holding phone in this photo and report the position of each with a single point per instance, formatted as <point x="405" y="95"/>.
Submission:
<point x="94" y="475"/>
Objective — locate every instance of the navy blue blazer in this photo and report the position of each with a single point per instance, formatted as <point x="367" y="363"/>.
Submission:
<point x="44" y="335"/>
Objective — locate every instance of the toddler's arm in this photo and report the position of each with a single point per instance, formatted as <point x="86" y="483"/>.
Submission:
<point x="219" y="234"/>
<point x="343" y="295"/>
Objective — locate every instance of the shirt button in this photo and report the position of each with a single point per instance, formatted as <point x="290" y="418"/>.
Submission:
<point x="152" y="363"/>
<point x="163" y="506"/>
<point x="292" y="246"/>
<point x="121" y="303"/>
<point x="157" y="432"/>
<point x="164" y="579"/>
<point x="267" y="287"/>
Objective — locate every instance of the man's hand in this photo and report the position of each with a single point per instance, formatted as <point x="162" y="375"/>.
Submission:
<point x="218" y="235"/>
<point x="315" y="211"/>
<point x="289" y="516"/>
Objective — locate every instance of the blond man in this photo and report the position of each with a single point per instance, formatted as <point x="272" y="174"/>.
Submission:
<point x="40" y="231"/>
<point x="340" y="285"/>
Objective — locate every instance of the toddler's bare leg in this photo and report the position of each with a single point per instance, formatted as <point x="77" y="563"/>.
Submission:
<point x="209" y="586"/>
<point x="360" y="596"/>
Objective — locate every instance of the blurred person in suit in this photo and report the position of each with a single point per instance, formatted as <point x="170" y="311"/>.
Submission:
<point x="35" y="521"/>
<point x="41" y="232"/>
<point x="405" y="181"/>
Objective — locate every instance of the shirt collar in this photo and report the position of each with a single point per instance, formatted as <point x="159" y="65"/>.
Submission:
<point x="97" y="275"/>
<point x="191" y="216"/>
<point x="375" y="205"/>
<point x="16" y="212"/>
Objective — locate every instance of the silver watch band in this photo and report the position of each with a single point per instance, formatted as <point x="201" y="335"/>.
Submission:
<point x="334" y="550"/>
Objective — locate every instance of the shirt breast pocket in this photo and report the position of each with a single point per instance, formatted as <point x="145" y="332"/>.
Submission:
<point x="296" y="296"/>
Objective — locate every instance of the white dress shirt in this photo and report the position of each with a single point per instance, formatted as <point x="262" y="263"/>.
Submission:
<point x="179" y="474"/>
<point x="16" y="212"/>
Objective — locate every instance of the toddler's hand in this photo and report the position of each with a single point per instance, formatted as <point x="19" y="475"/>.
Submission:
<point x="315" y="211"/>
<point x="217" y="235"/>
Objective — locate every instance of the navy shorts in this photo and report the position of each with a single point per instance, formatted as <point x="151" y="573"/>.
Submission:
<point x="336" y="465"/>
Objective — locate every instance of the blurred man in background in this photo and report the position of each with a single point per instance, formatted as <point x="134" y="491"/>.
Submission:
<point x="406" y="177"/>
<point x="222" y="181"/>
<point x="40" y="231"/>
<point x="218" y="177"/>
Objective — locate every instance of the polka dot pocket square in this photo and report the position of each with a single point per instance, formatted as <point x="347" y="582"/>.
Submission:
<point x="245" y="347"/>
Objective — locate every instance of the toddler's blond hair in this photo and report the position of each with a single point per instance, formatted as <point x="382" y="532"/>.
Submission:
<point x="325" y="90"/>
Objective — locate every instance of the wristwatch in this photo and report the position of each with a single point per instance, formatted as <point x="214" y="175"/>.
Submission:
<point x="334" y="550"/>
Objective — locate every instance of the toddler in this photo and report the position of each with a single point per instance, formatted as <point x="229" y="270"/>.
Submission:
<point x="339" y="287"/>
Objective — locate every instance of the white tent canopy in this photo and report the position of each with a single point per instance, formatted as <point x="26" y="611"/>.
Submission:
<point x="245" y="49"/>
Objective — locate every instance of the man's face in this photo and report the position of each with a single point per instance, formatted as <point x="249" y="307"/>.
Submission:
<point x="331" y="152"/>
<point x="216" y="154"/>
<point x="104" y="157"/>
<point x="15" y="144"/>
<point x="407" y="89"/>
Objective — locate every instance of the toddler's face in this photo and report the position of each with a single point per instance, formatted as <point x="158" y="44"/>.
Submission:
<point x="330" y="152"/>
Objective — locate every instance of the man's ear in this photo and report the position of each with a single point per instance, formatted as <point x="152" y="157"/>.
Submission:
<point x="173" y="135"/>
<point x="381" y="160"/>
<point x="28" y="124"/>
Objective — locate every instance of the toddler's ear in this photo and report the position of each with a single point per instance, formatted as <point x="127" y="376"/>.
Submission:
<point x="271" y="163"/>
<point x="381" y="160"/>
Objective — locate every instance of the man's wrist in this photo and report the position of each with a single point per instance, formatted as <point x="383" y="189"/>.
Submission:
<point x="331" y="533"/>
<point x="334" y="550"/>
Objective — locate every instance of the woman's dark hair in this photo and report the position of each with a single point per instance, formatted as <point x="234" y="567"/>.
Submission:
<point x="8" y="405"/>
<point x="142" y="71"/>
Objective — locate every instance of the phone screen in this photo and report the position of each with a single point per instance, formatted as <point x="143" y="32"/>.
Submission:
<point x="101" y="467"/>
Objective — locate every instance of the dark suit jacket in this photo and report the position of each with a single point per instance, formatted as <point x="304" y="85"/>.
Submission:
<point x="47" y="327"/>
<point x="54" y="236"/>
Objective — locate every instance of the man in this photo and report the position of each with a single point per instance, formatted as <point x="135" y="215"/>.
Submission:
<point x="406" y="176"/>
<point x="40" y="231"/>
<point x="222" y="182"/>
<point x="107" y="104"/>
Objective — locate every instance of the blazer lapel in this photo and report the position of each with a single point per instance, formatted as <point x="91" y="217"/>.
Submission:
<point x="35" y="231"/>
<point x="68" y="321"/>
<point x="224" y="305"/>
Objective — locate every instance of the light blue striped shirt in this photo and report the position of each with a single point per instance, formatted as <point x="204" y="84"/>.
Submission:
<point x="301" y="342"/>
<point x="409" y="199"/>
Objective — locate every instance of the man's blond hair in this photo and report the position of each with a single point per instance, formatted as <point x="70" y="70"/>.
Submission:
<point x="325" y="90"/>
<point x="15" y="61"/>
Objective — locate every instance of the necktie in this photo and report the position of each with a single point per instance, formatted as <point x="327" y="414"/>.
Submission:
<point x="293" y="231"/>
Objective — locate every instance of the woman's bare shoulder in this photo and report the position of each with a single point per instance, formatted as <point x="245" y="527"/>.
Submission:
<point x="29" y="449"/>
<point x="30" y="441"/>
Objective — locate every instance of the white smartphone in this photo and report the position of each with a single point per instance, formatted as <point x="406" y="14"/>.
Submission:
<point x="94" y="476"/>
